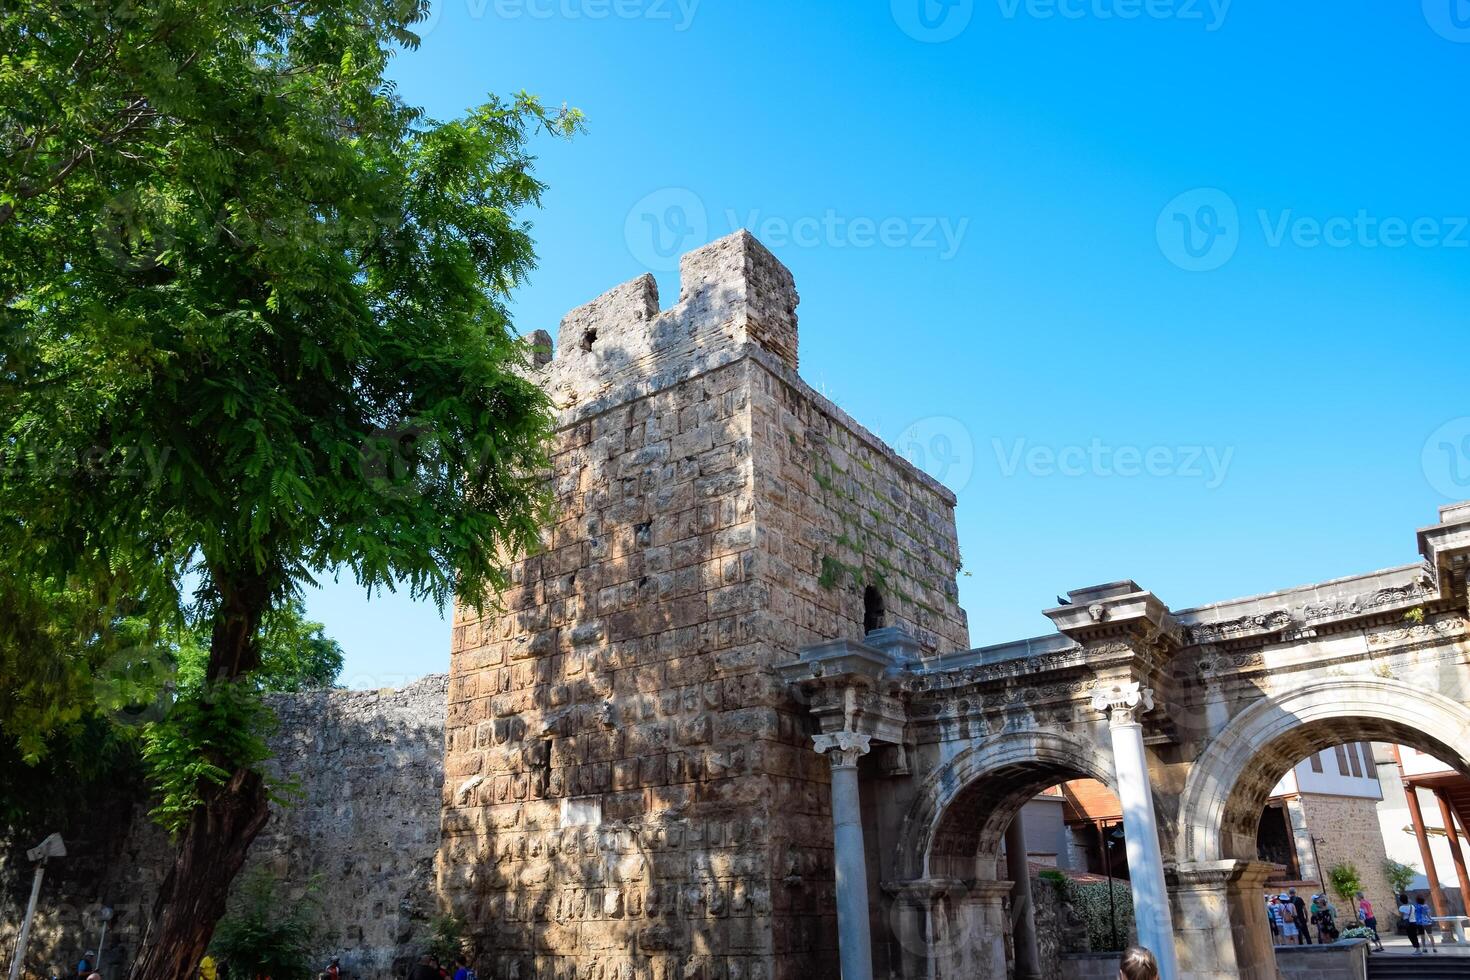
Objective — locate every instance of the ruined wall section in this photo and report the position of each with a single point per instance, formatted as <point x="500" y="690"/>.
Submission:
<point x="361" y="829"/>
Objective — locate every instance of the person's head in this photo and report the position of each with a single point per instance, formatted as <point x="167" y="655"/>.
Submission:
<point x="1403" y="899"/>
<point x="1291" y="892"/>
<point x="1137" y="963"/>
<point x="425" y="959"/>
<point x="1419" y="900"/>
<point x="1360" y="896"/>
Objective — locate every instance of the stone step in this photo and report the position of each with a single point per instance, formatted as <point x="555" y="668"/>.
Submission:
<point x="1431" y="967"/>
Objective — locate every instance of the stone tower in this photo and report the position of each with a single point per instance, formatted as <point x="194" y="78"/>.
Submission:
<point x="630" y="790"/>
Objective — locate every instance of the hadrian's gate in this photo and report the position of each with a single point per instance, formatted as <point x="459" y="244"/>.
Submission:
<point x="741" y="643"/>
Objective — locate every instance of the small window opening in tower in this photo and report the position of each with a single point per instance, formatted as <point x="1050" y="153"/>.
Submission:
<point x="874" y="615"/>
<point x="589" y="338"/>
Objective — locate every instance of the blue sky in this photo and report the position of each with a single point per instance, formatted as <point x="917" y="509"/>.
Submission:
<point x="1164" y="289"/>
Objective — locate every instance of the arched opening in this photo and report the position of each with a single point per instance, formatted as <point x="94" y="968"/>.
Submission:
<point x="875" y="616"/>
<point x="959" y="911"/>
<point x="1250" y="798"/>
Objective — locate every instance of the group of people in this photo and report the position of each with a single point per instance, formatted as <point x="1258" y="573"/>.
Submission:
<point x="1293" y="922"/>
<point x="429" y="968"/>
<point x="1419" y="924"/>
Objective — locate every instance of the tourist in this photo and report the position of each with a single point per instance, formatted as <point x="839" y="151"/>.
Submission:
<point x="1137" y="963"/>
<point x="1273" y="916"/>
<point x="1304" y="935"/>
<point x="462" y="969"/>
<point x="1425" y="921"/>
<point x="334" y="969"/>
<point x="1411" y="928"/>
<point x="84" y="968"/>
<point x="1290" y="933"/>
<point x="1324" y="918"/>
<point x="1369" y="920"/>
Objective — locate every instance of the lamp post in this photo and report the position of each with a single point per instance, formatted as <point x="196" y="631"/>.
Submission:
<point x="46" y="850"/>
<point x="105" y="914"/>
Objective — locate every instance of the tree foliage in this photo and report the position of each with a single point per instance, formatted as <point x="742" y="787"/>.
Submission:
<point x="252" y="330"/>
<point x="265" y="934"/>
<point x="1400" y="876"/>
<point x="1345" y="881"/>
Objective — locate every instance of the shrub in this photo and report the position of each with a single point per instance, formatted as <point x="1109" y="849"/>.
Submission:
<point x="264" y="935"/>
<point x="1091" y="902"/>
<point x="1346" y="883"/>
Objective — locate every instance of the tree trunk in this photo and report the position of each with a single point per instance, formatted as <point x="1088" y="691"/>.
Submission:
<point x="193" y="896"/>
<point x="214" y="845"/>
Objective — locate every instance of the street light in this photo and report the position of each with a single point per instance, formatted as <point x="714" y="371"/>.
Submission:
<point x="46" y="850"/>
<point x="105" y="914"/>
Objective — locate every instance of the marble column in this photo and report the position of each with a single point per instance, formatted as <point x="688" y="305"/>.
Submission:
<point x="1124" y="703"/>
<point x="854" y="940"/>
<point x="1023" y="912"/>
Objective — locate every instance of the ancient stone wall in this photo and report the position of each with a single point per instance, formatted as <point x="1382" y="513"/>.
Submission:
<point x="630" y="791"/>
<point x="1347" y="832"/>
<point x="363" y="826"/>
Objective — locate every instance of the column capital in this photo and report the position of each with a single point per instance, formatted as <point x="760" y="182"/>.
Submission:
<point x="843" y="749"/>
<point x="1122" y="701"/>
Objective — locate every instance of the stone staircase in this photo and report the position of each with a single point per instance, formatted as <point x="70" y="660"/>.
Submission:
<point x="1399" y="967"/>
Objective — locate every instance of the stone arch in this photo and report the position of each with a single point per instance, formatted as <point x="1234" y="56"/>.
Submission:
<point x="1229" y="782"/>
<point x="963" y="808"/>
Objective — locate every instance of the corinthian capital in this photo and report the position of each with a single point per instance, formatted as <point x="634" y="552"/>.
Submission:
<point x="843" y="749"/>
<point x="1122" y="702"/>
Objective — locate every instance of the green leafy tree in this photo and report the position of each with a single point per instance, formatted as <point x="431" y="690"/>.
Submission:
<point x="295" y="653"/>
<point x="253" y="330"/>
<point x="1399" y="875"/>
<point x="1346" y="883"/>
